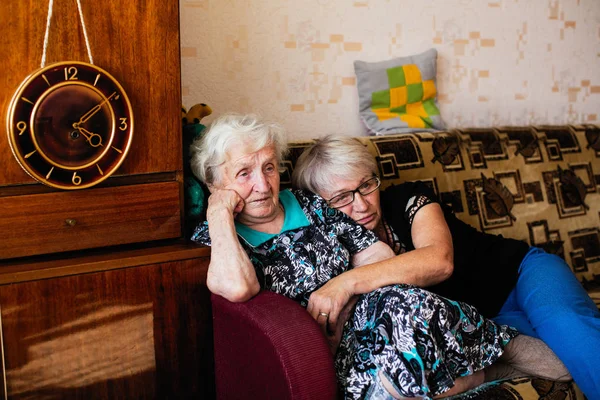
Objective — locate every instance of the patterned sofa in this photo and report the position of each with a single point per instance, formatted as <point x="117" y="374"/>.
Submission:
<point x="539" y="184"/>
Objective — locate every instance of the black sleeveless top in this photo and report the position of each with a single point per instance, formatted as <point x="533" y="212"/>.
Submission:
<point x="485" y="266"/>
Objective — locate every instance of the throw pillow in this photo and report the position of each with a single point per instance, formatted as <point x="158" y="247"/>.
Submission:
<point x="399" y="95"/>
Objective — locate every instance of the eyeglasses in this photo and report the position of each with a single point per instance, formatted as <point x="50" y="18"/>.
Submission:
<point x="345" y="198"/>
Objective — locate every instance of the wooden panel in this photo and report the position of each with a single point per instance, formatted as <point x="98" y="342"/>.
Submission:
<point x="114" y="181"/>
<point x="137" y="41"/>
<point x="95" y="260"/>
<point x="38" y="224"/>
<point x="134" y="333"/>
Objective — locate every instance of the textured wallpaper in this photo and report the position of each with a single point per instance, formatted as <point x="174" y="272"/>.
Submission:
<point x="500" y="62"/>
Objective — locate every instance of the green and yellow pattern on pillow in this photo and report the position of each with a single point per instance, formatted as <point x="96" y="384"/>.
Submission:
<point x="399" y="95"/>
<point x="409" y="98"/>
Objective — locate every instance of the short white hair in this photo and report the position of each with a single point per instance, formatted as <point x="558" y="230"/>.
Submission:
<point x="329" y="159"/>
<point x="209" y="152"/>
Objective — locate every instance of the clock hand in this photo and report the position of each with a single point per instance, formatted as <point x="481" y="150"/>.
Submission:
<point x="92" y="111"/>
<point x="93" y="139"/>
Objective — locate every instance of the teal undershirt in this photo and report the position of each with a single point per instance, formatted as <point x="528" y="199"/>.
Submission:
<point x="294" y="219"/>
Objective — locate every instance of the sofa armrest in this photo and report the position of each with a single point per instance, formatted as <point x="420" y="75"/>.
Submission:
<point x="270" y="348"/>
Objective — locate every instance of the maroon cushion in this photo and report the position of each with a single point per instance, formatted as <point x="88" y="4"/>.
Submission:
<point x="270" y="348"/>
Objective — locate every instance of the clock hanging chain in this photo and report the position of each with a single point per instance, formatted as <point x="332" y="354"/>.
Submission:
<point x="48" y="21"/>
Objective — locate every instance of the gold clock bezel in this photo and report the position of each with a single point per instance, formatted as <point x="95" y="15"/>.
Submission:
<point x="110" y="157"/>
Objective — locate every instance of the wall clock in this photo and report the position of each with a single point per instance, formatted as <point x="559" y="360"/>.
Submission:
<point x="70" y="125"/>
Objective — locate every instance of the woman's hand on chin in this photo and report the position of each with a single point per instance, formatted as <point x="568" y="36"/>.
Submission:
<point x="224" y="199"/>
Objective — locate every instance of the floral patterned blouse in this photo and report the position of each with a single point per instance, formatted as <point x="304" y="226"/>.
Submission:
<point x="418" y="341"/>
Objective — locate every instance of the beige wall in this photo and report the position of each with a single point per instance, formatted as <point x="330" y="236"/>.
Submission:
<point x="501" y="62"/>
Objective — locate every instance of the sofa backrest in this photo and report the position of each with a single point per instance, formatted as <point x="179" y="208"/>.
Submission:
<point x="539" y="184"/>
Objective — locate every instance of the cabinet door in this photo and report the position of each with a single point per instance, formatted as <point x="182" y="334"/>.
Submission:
<point x="137" y="41"/>
<point x="135" y="333"/>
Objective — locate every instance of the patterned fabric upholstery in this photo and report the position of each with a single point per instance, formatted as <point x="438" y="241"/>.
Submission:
<point x="523" y="389"/>
<point x="540" y="184"/>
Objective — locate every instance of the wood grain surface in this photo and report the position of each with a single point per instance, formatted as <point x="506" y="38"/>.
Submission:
<point x="137" y="41"/>
<point x="133" y="333"/>
<point x="65" y="221"/>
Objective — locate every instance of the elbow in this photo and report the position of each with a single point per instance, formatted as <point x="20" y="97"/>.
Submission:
<point x="242" y="294"/>
<point x="446" y="263"/>
<point x="233" y="293"/>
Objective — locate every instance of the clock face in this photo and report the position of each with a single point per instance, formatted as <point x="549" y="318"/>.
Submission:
<point x="70" y="125"/>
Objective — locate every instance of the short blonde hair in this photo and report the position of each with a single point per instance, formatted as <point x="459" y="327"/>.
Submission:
<point x="210" y="152"/>
<point x="329" y="159"/>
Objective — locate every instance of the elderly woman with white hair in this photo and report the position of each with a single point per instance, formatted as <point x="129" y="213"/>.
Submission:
<point x="390" y="340"/>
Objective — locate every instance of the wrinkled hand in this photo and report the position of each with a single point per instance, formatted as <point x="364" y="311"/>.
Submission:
<point x="336" y="300"/>
<point x="224" y="200"/>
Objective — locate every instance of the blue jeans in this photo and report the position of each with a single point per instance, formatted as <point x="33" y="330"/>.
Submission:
<point x="549" y="303"/>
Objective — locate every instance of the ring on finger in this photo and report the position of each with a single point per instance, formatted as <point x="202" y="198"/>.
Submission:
<point x="324" y="314"/>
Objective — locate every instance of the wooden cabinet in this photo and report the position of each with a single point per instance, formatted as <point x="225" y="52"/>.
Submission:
<point x="138" y="43"/>
<point x="64" y="221"/>
<point x="100" y="296"/>
<point x="131" y="325"/>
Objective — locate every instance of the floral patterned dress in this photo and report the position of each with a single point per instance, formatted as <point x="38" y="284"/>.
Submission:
<point x="419" y="341"/>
